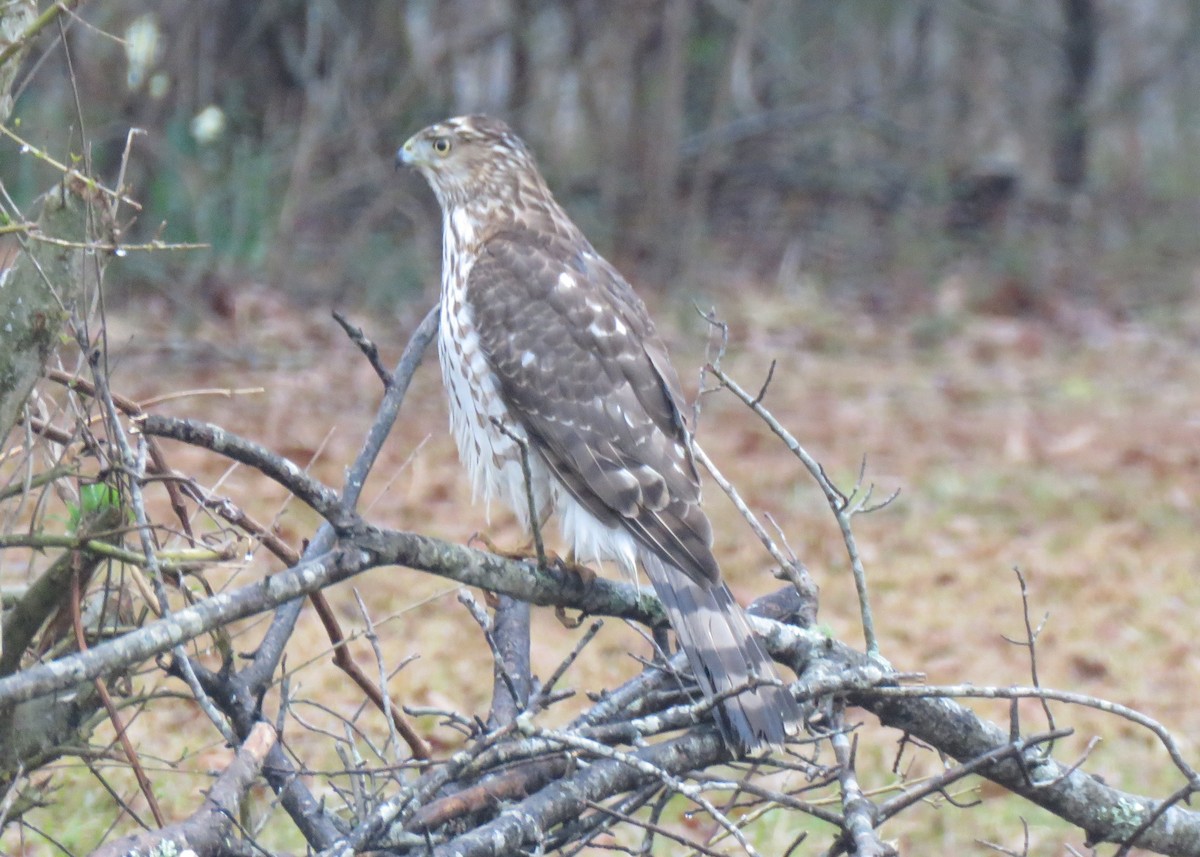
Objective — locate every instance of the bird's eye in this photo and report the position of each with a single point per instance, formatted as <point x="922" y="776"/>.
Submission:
<point x="441" y="145"/>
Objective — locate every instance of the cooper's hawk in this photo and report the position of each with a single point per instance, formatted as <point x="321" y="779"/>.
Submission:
<point x="543" y="337"/>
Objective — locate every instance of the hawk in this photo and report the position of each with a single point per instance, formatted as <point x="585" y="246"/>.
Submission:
<point x="543" y="344"/>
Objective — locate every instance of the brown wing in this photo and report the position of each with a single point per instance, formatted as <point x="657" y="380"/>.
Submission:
<point x="583" y="369"/>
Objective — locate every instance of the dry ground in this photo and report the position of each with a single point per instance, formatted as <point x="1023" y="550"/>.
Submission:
<point x="1071" y="450"/>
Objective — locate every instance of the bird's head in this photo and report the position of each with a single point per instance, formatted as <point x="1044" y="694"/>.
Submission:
<point x="467" y="158"/>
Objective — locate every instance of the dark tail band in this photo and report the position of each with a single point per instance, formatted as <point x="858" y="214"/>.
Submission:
<point x="724" y="655"/>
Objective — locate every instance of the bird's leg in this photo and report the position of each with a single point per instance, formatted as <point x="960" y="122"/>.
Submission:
<point x="526" y="551"/>
<point x="522" y="552"/>
<point x="578" y="573"/>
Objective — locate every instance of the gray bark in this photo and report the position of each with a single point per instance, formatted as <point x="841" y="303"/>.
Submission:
<point x="34" y="295"/>
<point x="15" y="20"/>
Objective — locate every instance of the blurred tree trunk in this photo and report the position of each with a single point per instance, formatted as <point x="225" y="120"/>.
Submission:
<point x="43" y="281"/>
<point x="1071" y="125"/>
<point x="521" y="69"/>
<point x="30" y="311"/>
<point x="15" y="20"/>
<point x="659" y="100"/>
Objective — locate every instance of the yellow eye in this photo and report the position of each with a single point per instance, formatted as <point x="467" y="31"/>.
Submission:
<point x="441" y="145"/>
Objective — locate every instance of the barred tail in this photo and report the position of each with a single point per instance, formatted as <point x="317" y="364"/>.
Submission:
<point x="724" y="654"/>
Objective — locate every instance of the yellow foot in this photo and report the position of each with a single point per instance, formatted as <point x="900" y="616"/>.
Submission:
<point x="582" y="573"/>
<point x="523" y="552"/>
<point x="584" y="576"/>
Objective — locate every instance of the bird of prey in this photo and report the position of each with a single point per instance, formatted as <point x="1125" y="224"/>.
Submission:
<point x="543" y="344"/>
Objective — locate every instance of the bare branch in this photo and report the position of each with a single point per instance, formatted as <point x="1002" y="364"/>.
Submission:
<point x="860" y="814"/>
<point x="508" y="785"/>
<point x="944" y="780"/>
<point x="540" y="698"/>
<point x="208" y="831"/>
<point x="1105" y="813"/>
<point x="346" y="663"/>
<point x="513" y="677"/>
<point x="842" y="508"/>
<point x="972" y="691"/>
<point x="366" y="346"/>
<point x="507" y="699"/>
<point x="114" y="717"/>
<point x="1030" y="643"/>
<point x="322" y="499"/>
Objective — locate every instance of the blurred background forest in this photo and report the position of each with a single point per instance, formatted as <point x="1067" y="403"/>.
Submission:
<point x="1006" y="155"/>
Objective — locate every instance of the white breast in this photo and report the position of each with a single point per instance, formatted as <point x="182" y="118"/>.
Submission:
<point x="491" y="457"/>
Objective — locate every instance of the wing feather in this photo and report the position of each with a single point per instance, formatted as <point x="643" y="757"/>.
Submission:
<point x="582" y="367"/>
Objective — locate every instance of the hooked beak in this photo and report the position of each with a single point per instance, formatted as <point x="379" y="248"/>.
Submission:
<point x="406" y="156"/>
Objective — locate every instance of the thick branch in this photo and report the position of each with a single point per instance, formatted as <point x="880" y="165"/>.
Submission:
<point x="1104" y="813"/>
<point x="507" y="785"/>
<point x="208" y="831"/>
<point x="526" y="822"/>
<point x="322" y="499"/>
<point x="183" y="625"/>
<point x="511" y="635"/>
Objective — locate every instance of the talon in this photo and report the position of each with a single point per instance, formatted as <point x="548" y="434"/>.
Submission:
<point x="477" y="538"/>
<point x="584" y="575"/>
<point x="522" y="553"/>
<point x="560" y="613"/>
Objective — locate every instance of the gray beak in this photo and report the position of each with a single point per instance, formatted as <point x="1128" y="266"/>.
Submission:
<point x="404" y="155"/>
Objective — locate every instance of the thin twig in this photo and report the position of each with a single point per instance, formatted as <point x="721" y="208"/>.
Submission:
<point x="539" y="699"/>
<point x="938" y="784"/>
<point x="744" y="510"/>
<point x="651" y="827"/>
<point x="535" y="524"/>
<point x="1009" y="852"/>
<point x="373" y="639"/>
<point x="762" y="392"/>
<point x="839" y="503"/>
<point x="114" y="717"/>
<point x="1030" y="643"/>
<point x="346" y="663"/>
<point x="366" y="346"/>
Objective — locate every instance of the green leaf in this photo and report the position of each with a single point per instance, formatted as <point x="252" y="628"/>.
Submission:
<point x="93" y="498"/>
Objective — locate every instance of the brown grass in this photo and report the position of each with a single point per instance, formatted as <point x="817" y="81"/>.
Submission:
<point x="1073" y="455"/>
